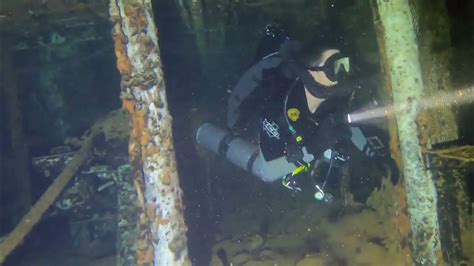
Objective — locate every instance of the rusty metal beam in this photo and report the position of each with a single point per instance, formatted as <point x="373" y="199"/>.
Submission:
<point x="399" y="49"/>
<point x="162" y="237"/>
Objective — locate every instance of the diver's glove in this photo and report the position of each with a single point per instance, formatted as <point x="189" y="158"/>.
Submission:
<point x="388" y="166"/>
<point x="381" y="157"/>
<point x="333" y="132"/>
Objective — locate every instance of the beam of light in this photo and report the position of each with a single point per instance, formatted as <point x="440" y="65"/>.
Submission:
<point x="440" y="100"/>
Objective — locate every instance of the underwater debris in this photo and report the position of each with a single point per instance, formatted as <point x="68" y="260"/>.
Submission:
<point x="464" y="153"/>
<point x="49" y="196"/>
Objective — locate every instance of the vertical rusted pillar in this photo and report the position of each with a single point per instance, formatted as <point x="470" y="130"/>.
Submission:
<point x="162" y="231"/>
<point x="399" y="48"/>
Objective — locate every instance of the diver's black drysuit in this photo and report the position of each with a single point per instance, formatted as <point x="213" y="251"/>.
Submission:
<point x="270" y="96"/>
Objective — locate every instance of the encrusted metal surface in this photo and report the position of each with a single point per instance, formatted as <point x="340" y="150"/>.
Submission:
<point x="401" y="55"/>
<point x="162" y="231"/>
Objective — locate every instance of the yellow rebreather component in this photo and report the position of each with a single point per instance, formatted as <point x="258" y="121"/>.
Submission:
<point x="301" y="169"/>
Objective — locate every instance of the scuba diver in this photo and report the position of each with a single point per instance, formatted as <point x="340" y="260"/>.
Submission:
<point x="297" y="99"/>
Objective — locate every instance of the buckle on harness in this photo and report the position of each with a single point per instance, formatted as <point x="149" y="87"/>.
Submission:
<point x="375" y="142"/>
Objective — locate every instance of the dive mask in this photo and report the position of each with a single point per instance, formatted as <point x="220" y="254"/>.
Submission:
<point x="335" y="68"/>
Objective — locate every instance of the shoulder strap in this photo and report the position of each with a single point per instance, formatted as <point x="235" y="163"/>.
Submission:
<point x="247" y="84"/>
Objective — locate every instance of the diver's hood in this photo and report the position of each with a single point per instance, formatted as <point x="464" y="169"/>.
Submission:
<point x="336" y="68"/>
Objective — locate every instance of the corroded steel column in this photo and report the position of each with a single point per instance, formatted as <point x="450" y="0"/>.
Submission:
<point x="162" y="237"/>
<point x="400" y="52"/>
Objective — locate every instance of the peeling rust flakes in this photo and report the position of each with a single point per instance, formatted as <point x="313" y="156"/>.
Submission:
<point x="148" y="81"/>
<point x="139" y="122"/>
<point x="165" y="178"/>
<point x="422" y="121"/>
<point x="150" y="150"/>
<point x="161" y="221"/>
<point x="139" y="21"/>
<point x="115" y="19"/>
<point x="140" y="196"/>
<point x="133" y="149"/>
<point x="395" y="143"/>
<point x="151" y="168"/>
<point x="143" y="81"/>
<point x="403" y="224"/>
<point x="142" y="220"/>
<point x="158" y="102"/>
<point x="123" y="62"/>
<point x="147" y="45"/>
<point x="146" y="256"/>
<point x="140" y="130"/>
<point x="177" y="245"/>
<point x="150" y="62"/>
<point x="145" y="138"/>
<point x="129" y="105"/>
<point x="142" y="244"/>
<point x="178" y="205"/>
<point x="141" y="109"/>
<point x="167" y="143"/>
<point x="143" y="234"/>
<point x="126" y="95"/>
<point x="131" y="10"/>
<point x="150" y="211"/>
